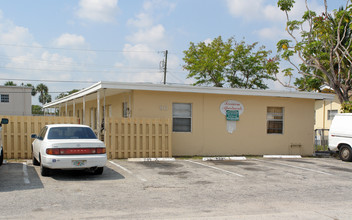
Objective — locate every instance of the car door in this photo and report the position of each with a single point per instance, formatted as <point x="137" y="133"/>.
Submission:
<point x="38" y="142"/>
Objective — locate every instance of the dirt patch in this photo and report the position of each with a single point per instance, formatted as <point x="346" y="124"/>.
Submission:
<point x="160" y="165"/>
<point x="232" y="163"/>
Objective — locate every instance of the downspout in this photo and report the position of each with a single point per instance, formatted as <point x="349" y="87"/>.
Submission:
<point x="324" y="114"/>
<point x="84" y="111"/>
<point x="98" y="114"/>
<point x="74" y="108"/>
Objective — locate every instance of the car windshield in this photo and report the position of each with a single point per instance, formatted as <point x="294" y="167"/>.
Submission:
<point x="71" y="133"/>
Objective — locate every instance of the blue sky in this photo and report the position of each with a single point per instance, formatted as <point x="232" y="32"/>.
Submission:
<point x="123" y="40"/>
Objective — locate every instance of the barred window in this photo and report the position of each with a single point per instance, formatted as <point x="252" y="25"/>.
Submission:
<point x="275" y="120"/>
<point x="5" y="98"/>
<point x="181" y="117"/>
<point x="331" y="114"/>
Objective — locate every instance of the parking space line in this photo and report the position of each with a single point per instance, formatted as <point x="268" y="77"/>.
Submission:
<point x="302" y="168"/>
<point x="216" y="168"/>
<point x="128" y="171"/>
<point x="25" y="174"/>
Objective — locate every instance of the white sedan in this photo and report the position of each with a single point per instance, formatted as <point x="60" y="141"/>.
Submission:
<point x="68" y="146"/>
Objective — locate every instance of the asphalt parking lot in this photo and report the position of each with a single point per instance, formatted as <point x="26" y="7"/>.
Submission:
<point x="256" y="188"/>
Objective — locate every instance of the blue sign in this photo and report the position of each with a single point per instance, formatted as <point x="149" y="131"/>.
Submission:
<point x="232" y="115"/>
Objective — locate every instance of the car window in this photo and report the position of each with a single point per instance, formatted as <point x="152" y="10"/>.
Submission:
<point x="42" y="133"/>
<point x="71" y="133"/>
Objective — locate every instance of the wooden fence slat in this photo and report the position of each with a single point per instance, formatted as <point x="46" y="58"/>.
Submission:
<point x="124" y="137"/>
<point x="16" y="135"/>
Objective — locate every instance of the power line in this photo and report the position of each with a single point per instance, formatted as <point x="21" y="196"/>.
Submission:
<point x="67" y="70"/>
<point x="48" y="80"/>
<point x="76" y="49"/>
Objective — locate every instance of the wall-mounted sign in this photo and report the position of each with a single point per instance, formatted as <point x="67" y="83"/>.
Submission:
<point x="232" y="115"/>
<point x="232" y="109"/>
<point x="231" y="105"/>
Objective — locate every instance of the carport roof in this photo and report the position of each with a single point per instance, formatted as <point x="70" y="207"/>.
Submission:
<point x="118" y="87"/>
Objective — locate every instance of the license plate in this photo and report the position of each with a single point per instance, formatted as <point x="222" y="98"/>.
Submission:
<point x="79" y="163"/>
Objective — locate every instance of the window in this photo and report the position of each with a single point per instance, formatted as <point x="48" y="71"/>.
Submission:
<point x="125" y="110"/>
<point x="5" y="98"/>
<point x="331" y="114"/>
<point x="42" y="133"/>
<point x="275" y="120"/>
<point x="181" y="117"/>
<point x="71" y="133"/>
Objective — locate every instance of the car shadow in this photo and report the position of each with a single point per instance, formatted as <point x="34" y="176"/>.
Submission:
<point x="18" y="176"/>
<point x="83" y="175"/>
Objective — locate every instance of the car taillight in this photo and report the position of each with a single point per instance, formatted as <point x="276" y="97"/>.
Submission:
<point x="101" y="150"/>
<point x="53" y="151"/>
<point x="75" y="151"/>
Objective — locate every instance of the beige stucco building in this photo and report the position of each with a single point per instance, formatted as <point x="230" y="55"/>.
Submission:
<point x="15" y="100"/>
<point x="325" y="110"/>
<point x="206" y="120"/>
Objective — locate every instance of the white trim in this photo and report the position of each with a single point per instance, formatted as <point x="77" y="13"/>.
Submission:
<point x="151" y="159"/>
<point x="189" y="89"/>
<point x="223" y="158"/>
<point x="283" y="156"/>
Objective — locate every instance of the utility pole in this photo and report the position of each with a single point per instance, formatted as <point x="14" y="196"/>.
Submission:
<point x="165" y="66"/>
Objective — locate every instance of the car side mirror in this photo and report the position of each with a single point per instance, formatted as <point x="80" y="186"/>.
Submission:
<point x="34" y="136"/>
<point x="4" y="121"/>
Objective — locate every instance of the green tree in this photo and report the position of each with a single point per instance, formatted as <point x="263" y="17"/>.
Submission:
<point x="44" y="96"/>
<point x="10" y="83"/>
<point x="37" y="110"/>
<point x="227" y="63"/>
<point x="63" y="94"/>
<point x="324" y="49"/>
<point x="207" y="62"/>
<point x="247" y="67"/>
<point x="34" y="91"/>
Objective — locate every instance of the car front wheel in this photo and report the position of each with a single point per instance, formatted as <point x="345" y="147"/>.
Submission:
<point x="345" y="153"/>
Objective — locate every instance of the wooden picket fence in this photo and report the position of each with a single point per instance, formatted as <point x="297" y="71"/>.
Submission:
<point x="138" y="137"/>
<point x="16" y="136"/>
<point x="123" y="137"/>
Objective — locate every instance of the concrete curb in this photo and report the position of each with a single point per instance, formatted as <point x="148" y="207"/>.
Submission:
<point x="223" y="158"/>
<point x="283" y="156"/>
<point x="151" y="159"/>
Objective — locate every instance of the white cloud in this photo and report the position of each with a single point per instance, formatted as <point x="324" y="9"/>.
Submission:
<point x="247" y="9"/>
<point x="260" y="9"/>
<point x="98" y="10"/>
<point x="208" y="41"/>
<point x="273" y="13"/>
<point x="153" y="35"/>
<point x="271" y="33"/>
<point x="69" y="40"/>
<point x="159" y="4"/>
<point x="142" y="20"/>
<point x="141" y="54"/>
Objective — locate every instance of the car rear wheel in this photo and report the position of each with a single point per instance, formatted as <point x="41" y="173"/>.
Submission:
<point x="345" y="153"/>
<point x="44" y="171"/>
<point x="34" y="160"/>
<point x="99" y="171"/>
<point x="1" y="157"/>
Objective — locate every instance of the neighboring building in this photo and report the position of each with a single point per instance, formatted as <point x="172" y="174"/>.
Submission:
<point x="325" y="111"/>
<point x="15" y="100"/>
<point x="269" y="122"/>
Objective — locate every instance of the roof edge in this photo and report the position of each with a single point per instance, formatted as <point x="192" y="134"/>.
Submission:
<point x="191" y="89"/>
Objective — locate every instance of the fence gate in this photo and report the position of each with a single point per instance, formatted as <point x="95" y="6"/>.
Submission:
<point x="321" y="140"/>
<point x="136" y="137"/>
